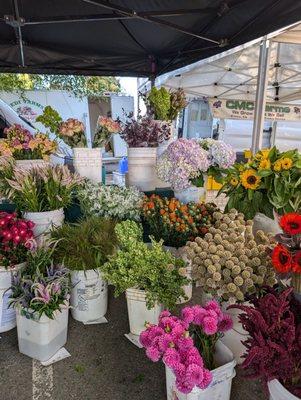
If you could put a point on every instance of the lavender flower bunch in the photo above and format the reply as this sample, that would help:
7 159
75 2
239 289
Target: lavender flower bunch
182 162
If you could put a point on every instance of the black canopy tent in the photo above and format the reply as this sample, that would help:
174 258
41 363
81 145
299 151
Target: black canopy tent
129 37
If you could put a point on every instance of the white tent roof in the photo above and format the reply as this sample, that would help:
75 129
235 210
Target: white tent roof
233 74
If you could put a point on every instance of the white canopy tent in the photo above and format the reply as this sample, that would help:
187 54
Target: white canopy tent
267 69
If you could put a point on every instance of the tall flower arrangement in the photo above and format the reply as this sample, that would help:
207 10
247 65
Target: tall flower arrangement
187 344
105 128
22 145
269 180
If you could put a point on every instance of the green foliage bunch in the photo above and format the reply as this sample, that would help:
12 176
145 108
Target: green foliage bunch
136 265
159 102
85 245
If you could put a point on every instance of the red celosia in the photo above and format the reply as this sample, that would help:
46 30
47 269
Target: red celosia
291 223
281 259
296 266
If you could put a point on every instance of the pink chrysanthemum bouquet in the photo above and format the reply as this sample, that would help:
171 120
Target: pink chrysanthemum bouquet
187 344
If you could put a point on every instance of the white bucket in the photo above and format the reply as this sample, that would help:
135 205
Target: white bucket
192 193
138 312
219 388
141 167
89 295
278 391
45 221
7 314
234 337
25 165
88 163
42 338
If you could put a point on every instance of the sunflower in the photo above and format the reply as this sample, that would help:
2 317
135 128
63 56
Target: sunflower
277 166
291 223
234 181
262 154
249 179
286 163
281 259
297 262
265 163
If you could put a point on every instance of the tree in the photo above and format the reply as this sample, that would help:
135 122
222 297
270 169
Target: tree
77 85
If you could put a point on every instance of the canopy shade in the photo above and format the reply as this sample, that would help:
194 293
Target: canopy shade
233 74
129 37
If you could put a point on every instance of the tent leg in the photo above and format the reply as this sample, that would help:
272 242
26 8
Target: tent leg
260 99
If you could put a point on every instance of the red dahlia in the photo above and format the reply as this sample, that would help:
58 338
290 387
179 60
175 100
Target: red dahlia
281 259
291 223
297 262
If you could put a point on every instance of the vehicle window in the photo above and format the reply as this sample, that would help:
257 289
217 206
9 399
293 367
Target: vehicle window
3 125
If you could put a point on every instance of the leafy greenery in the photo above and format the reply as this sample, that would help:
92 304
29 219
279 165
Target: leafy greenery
79 86
51 119
85 245
136 265
159 102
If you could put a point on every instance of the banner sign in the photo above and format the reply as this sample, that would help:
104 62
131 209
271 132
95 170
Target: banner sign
244 109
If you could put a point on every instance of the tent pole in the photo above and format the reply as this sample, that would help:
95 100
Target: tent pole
260 99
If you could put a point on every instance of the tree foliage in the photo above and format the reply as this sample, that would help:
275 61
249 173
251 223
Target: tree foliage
79 86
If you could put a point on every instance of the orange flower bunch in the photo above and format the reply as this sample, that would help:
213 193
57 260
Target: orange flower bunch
175 222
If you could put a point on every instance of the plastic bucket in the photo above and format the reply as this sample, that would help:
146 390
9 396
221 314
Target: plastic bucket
7 314
192 193
89 295
219 388
278 391
234 337
45 221
41 338
28 164
138 312
88 163
141 167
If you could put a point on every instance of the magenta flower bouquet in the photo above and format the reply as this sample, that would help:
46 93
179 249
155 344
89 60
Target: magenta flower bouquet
187 344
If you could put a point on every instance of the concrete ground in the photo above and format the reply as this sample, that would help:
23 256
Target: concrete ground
103 365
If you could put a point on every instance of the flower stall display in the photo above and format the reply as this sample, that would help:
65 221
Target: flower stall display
41 194
180 164
110 201
150 276
143 137
15 240
175 222
27 149
286 255
105 128
273 346
229 263
84 247
40 295
269 180
197 365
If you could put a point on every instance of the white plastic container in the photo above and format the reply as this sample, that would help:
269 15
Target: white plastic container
42 338
45 221
219 388
234 337
7 314
89 295
88 163
278 391
28 164
138 312
192 193
141 167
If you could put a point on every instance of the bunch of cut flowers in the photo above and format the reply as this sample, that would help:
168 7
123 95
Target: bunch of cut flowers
105 128
174 222
22 145
187 344
15 239
110 201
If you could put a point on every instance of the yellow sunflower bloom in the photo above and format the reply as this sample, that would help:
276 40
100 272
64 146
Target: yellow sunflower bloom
265 164
286 163
262 154
277 166
234 181
249 179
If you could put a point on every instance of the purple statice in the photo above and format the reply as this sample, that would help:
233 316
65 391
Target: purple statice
181 162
